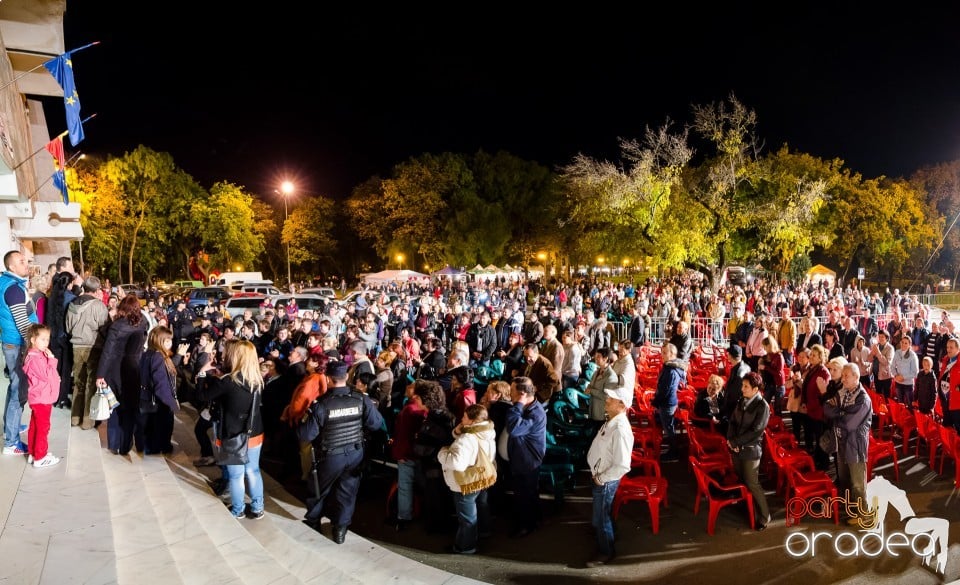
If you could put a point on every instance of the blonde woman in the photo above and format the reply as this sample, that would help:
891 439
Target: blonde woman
238 394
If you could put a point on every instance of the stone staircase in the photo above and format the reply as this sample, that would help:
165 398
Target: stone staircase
98 518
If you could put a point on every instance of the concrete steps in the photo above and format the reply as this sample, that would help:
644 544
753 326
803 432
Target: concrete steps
56 521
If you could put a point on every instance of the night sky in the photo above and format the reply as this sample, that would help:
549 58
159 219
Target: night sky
329 98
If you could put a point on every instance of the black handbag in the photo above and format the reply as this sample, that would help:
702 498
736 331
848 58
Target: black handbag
148 397
233 450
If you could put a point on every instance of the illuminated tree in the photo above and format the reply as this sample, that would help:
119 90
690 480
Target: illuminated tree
308 231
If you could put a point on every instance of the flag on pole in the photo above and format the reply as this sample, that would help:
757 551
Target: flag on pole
55 147
61 67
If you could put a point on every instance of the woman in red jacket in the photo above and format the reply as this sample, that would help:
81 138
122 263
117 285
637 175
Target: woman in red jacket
814 386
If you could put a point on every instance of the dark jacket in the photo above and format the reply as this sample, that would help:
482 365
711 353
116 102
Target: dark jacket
527 442
156 379
746 428
852 424
483 337
235 400
926 391
120 361
732 391
671 378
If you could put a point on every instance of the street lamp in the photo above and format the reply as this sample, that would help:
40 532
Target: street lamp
287 189
400 260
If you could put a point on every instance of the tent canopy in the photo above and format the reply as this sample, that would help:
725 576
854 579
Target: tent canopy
821 272
448 271
387 276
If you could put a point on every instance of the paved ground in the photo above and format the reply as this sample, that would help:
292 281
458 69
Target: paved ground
681 551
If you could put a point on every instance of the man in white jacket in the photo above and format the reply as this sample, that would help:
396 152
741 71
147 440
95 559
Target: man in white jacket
609 460
473 434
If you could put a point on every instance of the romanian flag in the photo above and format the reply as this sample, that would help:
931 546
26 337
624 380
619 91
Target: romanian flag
55 148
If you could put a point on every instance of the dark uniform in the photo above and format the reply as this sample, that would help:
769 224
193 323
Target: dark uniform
335 424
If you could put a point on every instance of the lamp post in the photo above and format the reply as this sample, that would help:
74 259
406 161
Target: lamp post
287 188
400 260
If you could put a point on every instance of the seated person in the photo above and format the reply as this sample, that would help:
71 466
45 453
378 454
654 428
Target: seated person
707 406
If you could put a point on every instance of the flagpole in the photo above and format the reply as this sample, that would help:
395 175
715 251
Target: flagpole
25 73
48 179
44 147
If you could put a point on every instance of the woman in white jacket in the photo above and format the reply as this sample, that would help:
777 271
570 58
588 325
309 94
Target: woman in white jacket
474 433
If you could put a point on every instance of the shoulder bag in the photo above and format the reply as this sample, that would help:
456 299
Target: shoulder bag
233 450
479 476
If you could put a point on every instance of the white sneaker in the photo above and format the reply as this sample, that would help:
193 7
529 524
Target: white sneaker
49 460
29 459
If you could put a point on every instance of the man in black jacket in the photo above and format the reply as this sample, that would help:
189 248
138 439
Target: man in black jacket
733 391
336 424
482 340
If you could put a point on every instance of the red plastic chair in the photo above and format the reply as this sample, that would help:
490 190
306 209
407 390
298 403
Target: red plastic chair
804 486
928 432
902 419
784 459
878 450
950 443
647 486
719 493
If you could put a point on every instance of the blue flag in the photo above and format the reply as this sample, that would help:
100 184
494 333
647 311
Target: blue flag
55 147
62 70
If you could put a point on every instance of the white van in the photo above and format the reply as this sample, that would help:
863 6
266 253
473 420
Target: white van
228 278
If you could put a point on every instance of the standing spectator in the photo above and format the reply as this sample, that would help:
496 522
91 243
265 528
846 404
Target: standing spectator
672 377
852 412
435 432
745 436
682 341
119 369
482 340
787 336
950 383
181 322
238 394
882 354
474 433
814 385
861 356
407 426
61 293
336 424
540 371
43 382
604 378
771 370
86 324
526 446
572 359
904 368
731 391
609 460
626 370
926 387
158 373
16 315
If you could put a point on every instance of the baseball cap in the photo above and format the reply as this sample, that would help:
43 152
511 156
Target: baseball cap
621 394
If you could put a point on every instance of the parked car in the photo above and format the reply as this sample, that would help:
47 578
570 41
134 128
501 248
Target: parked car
259 289
305 302
237 304
323 291
351 297
188 284
197 298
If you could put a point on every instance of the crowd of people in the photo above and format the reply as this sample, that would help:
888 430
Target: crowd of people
437 377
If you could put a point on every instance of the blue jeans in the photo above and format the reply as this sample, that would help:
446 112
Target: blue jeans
666 420
13 410
472 512
406 473
235 475
602 518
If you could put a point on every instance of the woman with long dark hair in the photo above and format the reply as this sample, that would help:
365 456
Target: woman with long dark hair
58 298
158 398
119 368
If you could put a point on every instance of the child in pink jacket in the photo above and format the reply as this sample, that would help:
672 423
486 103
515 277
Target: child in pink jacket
43 389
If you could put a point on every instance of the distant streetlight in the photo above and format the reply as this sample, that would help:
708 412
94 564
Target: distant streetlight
400 260
287 189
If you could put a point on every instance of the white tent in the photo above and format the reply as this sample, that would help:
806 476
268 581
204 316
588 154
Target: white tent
388 276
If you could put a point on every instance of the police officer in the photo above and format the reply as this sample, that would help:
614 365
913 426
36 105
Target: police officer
335 424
